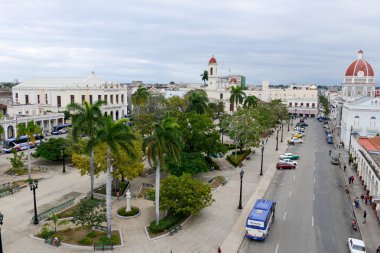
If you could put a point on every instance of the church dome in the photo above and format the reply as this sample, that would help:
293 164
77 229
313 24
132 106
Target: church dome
360 67
212 60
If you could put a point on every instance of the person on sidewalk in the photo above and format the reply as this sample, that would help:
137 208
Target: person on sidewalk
378 250
364 216
362 197
344 168
349 180
352 179
366 199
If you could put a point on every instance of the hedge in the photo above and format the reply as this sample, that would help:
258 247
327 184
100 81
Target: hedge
122 212
165 224
239 158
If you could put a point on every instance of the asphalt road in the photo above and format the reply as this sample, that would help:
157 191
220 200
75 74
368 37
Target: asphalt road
313 212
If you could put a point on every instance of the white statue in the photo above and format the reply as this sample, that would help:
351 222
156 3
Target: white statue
128 196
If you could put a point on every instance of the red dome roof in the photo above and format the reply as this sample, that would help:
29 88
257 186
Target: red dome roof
360 65
212 60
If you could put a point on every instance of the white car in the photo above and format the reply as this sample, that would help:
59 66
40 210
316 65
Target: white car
296 140
356 245
288 161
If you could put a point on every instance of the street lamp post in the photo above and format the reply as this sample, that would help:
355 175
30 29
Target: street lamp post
63 158
33 186
278 130
262 157
241 186
1 223
288 124
282 131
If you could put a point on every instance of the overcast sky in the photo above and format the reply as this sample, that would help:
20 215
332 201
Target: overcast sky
299 41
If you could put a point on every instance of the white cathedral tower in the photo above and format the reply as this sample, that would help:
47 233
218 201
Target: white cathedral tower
212 74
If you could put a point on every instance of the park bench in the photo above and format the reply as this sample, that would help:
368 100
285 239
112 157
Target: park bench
175 229
53 242
103 247
146 185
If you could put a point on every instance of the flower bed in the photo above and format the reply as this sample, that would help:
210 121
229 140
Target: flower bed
239 157
85 236
134 212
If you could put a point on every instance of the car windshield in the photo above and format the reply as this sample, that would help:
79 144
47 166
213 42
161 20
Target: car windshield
358 247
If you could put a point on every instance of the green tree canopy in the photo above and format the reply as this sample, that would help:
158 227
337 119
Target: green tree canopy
197 101
200 134
184 195
237 95
191 163
51 150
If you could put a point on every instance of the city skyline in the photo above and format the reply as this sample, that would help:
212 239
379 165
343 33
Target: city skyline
163 41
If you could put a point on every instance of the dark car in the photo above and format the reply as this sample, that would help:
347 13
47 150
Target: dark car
335 160
282 165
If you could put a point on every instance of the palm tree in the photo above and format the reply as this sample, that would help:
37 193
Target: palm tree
250 102
30 129
166 141
140 98
86 119
115 135
198 101
204 76
1 127
237 95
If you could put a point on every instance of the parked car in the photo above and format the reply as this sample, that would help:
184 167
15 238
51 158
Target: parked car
288 161
296 140
356 245
335 160
330 141
290 156
281 166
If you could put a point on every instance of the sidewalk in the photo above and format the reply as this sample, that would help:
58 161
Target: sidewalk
370 231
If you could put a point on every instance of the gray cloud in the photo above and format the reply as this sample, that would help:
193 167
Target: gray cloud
165 40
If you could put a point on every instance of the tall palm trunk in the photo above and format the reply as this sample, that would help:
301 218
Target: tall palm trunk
29 163
108 193
158 191
92 173
236 103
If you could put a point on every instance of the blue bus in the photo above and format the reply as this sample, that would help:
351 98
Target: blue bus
59 129
21 143
260 219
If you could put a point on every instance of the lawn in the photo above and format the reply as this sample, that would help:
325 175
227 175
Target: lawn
86 237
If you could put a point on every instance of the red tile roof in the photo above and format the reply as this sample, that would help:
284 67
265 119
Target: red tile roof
370 144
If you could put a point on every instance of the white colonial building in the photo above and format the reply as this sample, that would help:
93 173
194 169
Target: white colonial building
44 99
358 110
366 154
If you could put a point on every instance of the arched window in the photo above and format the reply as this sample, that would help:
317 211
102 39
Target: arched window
211 71
221 95
356 120
372 122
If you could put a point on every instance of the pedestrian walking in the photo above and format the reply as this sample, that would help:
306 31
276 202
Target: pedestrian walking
344 168
366 199
219 249
364 216
339 155
349 180
352 179
362 197
378 250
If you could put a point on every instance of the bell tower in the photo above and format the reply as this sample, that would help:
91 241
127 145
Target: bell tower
212 74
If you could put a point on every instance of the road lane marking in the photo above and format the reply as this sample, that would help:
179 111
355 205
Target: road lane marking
290 194
314 168
294 177
276 248
314 180
313 197
312 221
284 215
